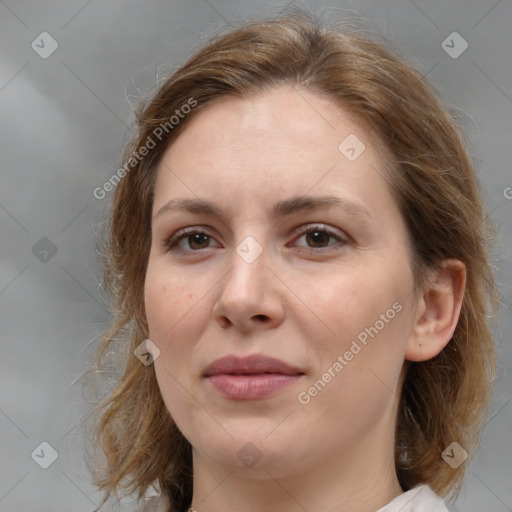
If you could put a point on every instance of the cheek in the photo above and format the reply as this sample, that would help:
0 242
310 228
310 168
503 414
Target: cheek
344 303
174 312
167 301
178 307
362 315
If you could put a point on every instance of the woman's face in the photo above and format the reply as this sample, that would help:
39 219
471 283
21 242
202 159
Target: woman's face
326 289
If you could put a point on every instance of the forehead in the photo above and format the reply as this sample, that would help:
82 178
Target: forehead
282 113
282 141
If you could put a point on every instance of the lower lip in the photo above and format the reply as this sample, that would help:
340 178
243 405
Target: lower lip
251 387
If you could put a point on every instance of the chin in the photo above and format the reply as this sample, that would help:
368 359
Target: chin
254 449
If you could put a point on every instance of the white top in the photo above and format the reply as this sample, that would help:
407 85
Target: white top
420 499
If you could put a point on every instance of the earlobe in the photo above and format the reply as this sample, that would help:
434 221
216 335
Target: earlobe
437 311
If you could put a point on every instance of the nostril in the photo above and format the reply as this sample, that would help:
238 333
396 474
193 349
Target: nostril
224 322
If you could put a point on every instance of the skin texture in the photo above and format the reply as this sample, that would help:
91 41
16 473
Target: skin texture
303 300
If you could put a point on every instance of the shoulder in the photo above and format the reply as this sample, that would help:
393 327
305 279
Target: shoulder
420 499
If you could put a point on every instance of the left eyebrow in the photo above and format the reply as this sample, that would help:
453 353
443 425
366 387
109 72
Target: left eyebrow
280 209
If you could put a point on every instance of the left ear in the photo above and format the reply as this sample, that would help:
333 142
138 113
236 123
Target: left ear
437 311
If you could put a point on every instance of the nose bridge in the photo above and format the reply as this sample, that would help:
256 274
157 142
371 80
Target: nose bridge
251 251
247 277
247 293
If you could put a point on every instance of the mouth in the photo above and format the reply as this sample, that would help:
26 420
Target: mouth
249 378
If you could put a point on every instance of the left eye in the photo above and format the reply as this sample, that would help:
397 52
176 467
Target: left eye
319 237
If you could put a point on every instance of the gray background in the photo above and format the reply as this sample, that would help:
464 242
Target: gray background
64 119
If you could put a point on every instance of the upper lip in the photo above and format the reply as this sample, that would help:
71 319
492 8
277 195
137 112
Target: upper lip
253 364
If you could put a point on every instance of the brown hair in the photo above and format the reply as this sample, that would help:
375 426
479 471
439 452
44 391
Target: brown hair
433 180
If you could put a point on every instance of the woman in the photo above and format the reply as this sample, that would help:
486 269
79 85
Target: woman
297 255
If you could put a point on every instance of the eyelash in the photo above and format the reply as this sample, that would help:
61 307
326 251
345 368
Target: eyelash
172 243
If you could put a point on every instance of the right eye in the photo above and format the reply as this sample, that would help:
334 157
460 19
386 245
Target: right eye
193 237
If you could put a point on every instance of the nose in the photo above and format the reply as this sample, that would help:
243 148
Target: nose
250 296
